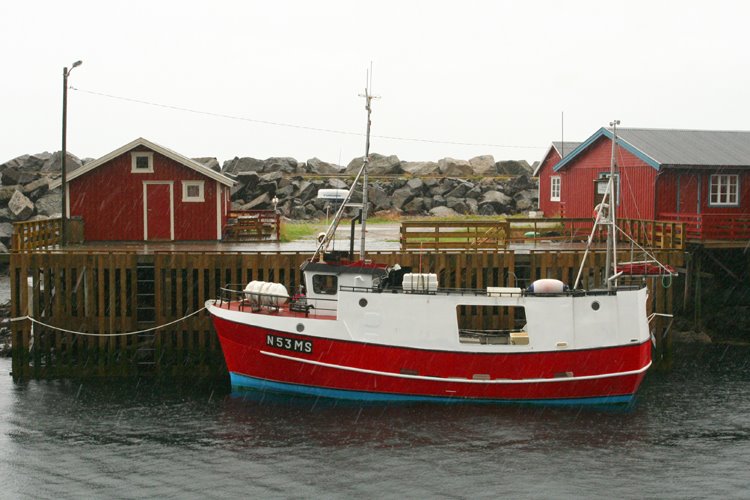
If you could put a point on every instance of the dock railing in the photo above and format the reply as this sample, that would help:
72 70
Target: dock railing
487 234
30 235
712 227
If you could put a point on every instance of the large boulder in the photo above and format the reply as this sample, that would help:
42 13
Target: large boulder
26 162
21 208
337 184
401 197
54 162
525 200
451 167
483 165
209 162
6 192
379 165
421 168
416 185
378 198
12 176
285 165
442 211
495 202
460 191
36 189
457 204
6 232
237 166
306 191
522 183
414 207
513 167
260 202
317 166
50 204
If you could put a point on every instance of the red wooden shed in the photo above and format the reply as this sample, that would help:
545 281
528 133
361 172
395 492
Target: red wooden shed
146 192
700 177
549 183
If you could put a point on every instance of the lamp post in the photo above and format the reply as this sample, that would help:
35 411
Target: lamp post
63 222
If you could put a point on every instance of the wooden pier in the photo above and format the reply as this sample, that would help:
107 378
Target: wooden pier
109 293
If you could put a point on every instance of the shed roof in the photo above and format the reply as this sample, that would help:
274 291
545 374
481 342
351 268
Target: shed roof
183 160
677 148
563 148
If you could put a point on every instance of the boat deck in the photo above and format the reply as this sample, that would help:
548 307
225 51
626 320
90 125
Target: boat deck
282 310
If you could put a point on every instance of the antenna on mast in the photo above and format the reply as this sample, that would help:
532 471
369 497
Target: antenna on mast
368 106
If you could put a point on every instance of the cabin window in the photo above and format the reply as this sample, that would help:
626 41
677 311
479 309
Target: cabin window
492 325
554 192
325 284
142 162
724 190
192 191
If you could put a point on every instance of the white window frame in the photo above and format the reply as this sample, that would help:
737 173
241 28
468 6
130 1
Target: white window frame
552 183
730 197
134 162
193 199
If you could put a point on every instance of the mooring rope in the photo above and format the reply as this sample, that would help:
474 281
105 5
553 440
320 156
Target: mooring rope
87 334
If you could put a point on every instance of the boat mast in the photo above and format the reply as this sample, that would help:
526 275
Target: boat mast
611 263
368 107
362 173
605 217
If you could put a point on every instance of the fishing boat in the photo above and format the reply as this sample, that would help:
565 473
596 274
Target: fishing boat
365 331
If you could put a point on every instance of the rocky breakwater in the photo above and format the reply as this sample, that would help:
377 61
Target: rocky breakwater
448 187
24 190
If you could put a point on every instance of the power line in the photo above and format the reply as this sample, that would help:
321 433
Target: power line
292 125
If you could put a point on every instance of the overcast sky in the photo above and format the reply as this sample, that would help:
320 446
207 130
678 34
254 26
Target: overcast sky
497 74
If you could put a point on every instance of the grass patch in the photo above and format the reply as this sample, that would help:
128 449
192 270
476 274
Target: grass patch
293 231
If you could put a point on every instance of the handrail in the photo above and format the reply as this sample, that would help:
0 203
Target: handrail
30 235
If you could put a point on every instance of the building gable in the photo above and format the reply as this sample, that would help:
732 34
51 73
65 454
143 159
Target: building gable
139 144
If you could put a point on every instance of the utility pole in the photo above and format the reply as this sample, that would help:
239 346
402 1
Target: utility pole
63 168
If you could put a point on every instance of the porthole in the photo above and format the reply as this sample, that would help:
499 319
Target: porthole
362 302
595 305
300 327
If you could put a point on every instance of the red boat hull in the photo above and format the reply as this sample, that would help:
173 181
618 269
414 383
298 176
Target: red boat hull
256 358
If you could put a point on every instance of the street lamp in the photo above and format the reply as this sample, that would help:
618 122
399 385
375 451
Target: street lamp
63 222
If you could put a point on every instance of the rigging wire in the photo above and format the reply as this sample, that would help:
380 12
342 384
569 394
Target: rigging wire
296 126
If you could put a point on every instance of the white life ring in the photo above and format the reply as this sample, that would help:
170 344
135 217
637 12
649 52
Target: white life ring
604 207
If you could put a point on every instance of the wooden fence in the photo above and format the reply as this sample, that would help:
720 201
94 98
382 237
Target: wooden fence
114 293
36 234
497 234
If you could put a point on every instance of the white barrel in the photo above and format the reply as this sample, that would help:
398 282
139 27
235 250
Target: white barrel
422 282
547 285
266 293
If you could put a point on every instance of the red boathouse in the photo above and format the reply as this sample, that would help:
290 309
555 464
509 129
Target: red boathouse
146 192
698 177
549 191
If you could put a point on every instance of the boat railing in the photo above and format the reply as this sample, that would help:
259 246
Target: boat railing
488 292
234 292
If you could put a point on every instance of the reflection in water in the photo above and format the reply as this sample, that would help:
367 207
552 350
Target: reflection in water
688 432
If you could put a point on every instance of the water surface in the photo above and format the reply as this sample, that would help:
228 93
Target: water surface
687 436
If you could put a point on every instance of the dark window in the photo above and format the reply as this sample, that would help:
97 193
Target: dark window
141 162
325 284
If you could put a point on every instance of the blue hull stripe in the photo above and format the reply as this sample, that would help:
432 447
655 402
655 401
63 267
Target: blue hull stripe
250 383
